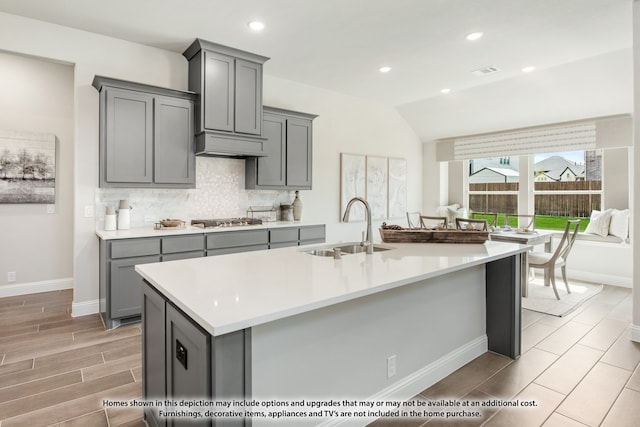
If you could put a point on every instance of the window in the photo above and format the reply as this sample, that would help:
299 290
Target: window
566 185
494 185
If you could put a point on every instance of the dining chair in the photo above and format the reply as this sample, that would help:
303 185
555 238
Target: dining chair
413 219
471 224
433 221
490 217
527 222
549 261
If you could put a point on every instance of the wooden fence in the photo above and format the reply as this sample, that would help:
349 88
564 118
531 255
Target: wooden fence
566 205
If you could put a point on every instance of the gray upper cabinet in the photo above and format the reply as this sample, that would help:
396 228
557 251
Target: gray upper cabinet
289 162
146 135
174 155
128 145
229 111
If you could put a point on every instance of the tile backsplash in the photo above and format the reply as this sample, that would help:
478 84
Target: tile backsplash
219 193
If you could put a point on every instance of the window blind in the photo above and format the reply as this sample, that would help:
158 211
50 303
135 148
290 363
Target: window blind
569 137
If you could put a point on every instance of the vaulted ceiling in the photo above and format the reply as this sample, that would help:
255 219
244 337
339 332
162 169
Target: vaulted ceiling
341 44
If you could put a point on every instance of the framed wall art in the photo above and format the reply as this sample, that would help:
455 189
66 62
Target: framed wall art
397 188
27 167
377 186
352 184
382 181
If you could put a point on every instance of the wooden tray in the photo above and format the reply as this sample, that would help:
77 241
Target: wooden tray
412 235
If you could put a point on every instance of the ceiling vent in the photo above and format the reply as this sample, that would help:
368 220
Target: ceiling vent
486 70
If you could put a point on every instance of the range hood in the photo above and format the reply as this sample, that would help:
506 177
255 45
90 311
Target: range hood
219 144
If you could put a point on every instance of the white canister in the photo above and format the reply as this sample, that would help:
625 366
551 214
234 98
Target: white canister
110 219
124 215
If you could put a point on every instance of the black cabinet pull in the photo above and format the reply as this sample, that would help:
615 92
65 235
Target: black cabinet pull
181 354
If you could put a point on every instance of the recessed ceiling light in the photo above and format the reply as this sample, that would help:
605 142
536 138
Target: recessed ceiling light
256 25
384 69
528 69
474 36
445 90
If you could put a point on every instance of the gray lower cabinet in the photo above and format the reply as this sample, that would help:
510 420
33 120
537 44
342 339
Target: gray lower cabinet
283 237
180 360
312 234
188 374
288 163
153 352
146 135
120 297
125 286
230 242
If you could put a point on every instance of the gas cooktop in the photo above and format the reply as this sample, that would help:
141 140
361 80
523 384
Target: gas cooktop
225 222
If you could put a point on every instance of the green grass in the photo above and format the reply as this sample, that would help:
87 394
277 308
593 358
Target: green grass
557 223
549 222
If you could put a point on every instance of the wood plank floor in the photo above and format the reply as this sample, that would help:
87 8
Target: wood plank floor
55 370
582 370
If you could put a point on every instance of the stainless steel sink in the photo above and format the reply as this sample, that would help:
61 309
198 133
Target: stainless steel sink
356 248
345 249
320 252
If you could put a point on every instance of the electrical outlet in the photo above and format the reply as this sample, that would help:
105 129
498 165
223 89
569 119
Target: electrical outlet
391 366
149 218
51 209
88 211
11 276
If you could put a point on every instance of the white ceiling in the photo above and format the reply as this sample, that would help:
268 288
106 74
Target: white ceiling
340 44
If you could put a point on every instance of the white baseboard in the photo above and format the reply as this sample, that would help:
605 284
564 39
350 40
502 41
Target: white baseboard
85 308
635 333
607 279
35 287
420 380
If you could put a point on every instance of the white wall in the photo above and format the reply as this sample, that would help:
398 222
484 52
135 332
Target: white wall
635 181
37 96
345 125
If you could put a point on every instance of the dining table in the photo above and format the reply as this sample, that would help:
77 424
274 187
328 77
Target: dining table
524 237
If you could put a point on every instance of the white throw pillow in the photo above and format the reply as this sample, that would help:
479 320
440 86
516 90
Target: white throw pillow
619 225
450 212
462 213
599 223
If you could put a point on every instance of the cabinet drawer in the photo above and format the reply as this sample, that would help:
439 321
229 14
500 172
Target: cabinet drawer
183 255
237 249
282 245
280 235
312 233
171 245
135 247
237 238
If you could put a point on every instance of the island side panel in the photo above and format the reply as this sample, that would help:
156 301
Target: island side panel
341 351
504 305
180 361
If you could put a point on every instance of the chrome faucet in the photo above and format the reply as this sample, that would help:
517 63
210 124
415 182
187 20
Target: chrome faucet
345 218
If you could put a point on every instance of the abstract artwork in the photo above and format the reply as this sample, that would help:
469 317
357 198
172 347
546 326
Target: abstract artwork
27 167
382 181
377 186
397 188
352 184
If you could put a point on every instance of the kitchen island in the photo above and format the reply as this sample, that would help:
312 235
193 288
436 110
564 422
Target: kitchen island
284 324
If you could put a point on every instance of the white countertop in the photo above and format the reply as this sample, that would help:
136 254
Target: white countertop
237 291
151 232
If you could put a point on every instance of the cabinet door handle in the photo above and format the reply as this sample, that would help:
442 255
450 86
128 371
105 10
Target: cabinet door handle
181 354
